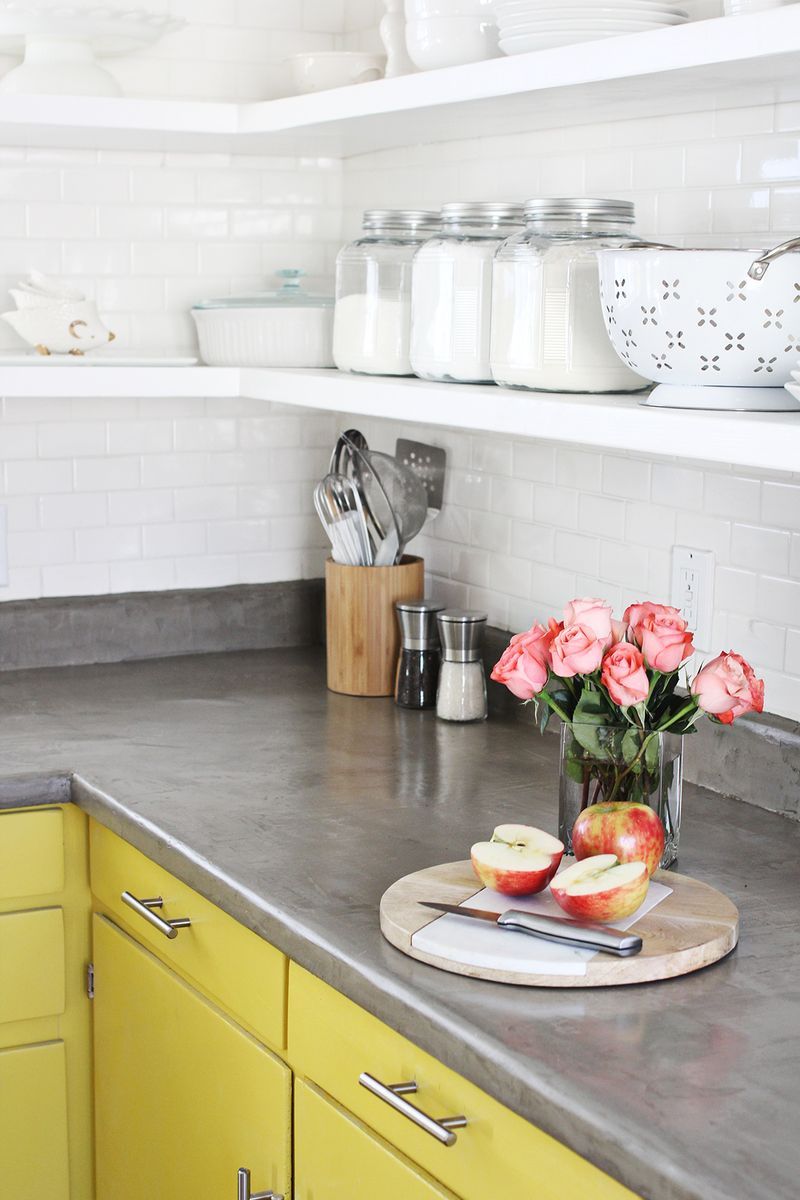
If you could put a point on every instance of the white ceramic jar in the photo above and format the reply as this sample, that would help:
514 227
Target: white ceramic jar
372 319
451 292
548 332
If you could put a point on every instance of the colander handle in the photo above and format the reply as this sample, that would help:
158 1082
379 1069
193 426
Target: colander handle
760 266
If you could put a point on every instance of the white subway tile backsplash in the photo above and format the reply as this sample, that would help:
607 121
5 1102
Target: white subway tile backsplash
75 579
760 549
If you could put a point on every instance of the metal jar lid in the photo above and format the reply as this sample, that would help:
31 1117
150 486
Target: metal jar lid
583 208
461 631
491 212
417 621
401 218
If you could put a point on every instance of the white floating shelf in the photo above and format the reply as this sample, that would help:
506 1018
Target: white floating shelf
90 382
619 422
726 62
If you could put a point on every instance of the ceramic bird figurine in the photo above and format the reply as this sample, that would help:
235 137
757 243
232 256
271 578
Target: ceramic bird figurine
55 319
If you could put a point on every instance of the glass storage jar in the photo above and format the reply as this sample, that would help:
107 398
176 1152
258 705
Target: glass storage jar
451 292
548 332
461 695
372 318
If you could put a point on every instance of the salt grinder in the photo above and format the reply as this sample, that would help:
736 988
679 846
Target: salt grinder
462 680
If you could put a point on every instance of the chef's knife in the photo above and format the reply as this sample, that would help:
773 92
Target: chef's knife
552 929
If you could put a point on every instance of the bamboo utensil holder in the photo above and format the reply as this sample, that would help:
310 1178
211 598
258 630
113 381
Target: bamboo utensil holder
362 632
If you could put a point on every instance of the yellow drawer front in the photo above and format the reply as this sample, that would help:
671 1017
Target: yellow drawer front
231 964
332 1040
31 853
31 964
34 1160
336 1158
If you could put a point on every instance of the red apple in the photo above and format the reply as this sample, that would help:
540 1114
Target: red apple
601 888
519 860
633 832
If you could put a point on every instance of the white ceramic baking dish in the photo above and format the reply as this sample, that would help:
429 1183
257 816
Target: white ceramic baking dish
285 328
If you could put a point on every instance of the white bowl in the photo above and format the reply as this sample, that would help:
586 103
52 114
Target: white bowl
420 9
319 70
696 318
450 41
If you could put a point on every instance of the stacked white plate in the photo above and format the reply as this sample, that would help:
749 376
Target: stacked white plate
541 24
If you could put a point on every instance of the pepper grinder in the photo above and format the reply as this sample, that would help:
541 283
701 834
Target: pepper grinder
420 653
462 680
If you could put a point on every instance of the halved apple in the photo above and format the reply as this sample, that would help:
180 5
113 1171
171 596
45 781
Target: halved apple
601 888
520 860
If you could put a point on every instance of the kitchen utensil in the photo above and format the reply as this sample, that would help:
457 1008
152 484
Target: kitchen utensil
60 41
435 42
429 464
553 929
339 509
289 327
56 319
345 443
404 491
319 70
698 319
380 516
363 639
348 500
684 925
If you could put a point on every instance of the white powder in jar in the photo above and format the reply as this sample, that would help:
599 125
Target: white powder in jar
548 332
451 305
371 334
462 692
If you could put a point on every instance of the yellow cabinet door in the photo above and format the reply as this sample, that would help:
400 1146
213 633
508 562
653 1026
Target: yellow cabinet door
34 1158
337 1158
183 1096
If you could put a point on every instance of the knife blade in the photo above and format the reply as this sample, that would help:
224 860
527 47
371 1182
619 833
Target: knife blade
552 929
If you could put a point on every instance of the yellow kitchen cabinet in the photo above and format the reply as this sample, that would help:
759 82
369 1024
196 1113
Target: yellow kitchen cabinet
333 1042
34 1151
45 1022
184 1097
337 1158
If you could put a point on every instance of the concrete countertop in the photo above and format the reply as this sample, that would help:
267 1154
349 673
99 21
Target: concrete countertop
294 809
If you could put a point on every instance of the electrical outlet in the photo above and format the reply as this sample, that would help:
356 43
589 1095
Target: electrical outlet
693 591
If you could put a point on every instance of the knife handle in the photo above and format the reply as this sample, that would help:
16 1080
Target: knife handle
572 933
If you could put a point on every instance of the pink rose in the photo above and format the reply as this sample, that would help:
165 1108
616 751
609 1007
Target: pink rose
661 633
727 687
593 614
619 631
576 650
524 665
666 642
623 675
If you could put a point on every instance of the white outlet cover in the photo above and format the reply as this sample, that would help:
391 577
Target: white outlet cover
693 591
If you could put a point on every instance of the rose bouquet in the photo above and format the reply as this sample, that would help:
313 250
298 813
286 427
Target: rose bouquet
614 685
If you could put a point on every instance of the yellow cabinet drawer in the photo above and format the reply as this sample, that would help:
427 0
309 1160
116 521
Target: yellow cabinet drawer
229 963
332 1041
31 964
31 853
34 1154
337 1158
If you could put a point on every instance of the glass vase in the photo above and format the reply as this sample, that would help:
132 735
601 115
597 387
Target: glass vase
621 763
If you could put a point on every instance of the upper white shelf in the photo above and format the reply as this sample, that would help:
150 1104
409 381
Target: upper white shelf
619 422
719 63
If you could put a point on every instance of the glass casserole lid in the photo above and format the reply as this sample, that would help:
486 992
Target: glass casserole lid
291 294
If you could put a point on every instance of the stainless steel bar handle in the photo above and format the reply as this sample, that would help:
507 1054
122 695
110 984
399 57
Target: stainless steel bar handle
392 1094
759 268
243 1188
145 909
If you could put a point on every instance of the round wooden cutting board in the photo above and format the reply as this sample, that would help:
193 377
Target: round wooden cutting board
693 927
